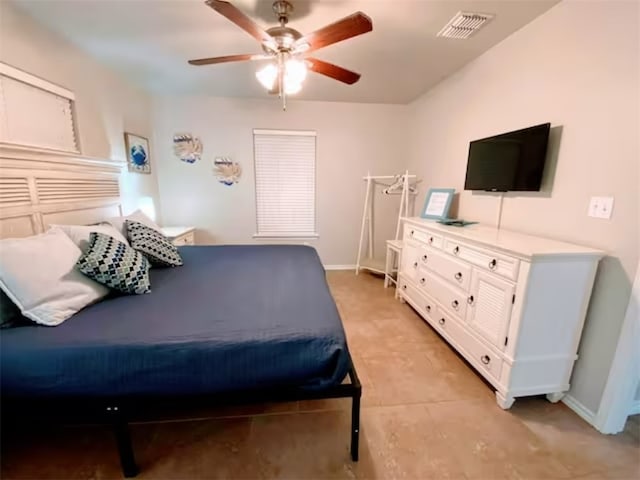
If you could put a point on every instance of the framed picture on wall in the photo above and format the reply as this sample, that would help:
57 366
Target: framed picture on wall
138 155
437 203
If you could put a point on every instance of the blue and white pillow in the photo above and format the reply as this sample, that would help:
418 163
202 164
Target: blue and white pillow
115 265
154 245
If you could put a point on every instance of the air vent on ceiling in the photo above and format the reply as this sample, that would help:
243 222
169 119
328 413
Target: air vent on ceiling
464 24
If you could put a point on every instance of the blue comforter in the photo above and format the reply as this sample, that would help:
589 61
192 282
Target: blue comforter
232 318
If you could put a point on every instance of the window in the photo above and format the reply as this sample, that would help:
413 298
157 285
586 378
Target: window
34 112
285 166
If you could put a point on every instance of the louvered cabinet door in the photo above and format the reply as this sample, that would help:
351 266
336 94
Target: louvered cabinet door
489 306
409 262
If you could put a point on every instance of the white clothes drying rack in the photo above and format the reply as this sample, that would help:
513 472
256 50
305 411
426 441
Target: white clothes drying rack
401 184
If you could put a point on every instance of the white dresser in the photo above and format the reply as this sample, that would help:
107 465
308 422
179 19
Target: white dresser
512 304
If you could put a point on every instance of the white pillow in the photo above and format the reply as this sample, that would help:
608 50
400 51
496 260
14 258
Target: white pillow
80 234
38 274
137 216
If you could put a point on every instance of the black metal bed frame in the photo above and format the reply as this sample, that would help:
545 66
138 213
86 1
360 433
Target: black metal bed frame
119 412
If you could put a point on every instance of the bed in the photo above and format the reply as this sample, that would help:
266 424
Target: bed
232 318
235 324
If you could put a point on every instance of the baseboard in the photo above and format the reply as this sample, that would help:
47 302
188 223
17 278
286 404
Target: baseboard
635 408
582 411
339 267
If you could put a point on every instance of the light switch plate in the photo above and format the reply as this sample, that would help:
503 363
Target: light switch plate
601 207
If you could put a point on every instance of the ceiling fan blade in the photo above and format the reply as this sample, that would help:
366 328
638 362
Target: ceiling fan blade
240 19
229 58
349 27
333 71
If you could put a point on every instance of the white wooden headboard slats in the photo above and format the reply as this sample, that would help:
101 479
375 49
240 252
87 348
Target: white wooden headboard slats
14 190
40 187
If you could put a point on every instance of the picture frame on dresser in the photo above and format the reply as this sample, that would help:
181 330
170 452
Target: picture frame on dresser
437 203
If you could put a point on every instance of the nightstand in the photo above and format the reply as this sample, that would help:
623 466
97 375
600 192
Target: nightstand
180 235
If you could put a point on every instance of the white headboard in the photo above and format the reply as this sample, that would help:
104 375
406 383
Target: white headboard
40 187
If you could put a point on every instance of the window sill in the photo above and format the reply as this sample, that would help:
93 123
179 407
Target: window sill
288 236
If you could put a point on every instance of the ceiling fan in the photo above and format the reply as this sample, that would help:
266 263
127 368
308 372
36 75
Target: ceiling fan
287 48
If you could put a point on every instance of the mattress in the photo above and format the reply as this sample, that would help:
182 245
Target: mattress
233 318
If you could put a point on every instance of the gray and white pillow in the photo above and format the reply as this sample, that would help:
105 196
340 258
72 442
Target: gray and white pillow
116 265
154 245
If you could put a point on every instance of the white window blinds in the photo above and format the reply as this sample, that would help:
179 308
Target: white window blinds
34 112
285 166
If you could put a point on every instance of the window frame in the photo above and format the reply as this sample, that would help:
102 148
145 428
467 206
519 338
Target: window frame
288 235
34 81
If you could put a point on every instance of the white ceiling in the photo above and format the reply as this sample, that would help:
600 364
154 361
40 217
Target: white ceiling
150 41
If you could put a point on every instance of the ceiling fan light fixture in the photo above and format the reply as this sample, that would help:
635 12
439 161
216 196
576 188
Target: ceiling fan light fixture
267 76
295 71
292 88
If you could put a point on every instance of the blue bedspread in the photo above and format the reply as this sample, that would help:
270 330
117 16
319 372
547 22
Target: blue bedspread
232 318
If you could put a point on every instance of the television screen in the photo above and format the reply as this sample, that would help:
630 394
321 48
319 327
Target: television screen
512 161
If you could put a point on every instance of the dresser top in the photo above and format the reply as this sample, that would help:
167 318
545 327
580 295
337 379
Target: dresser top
519 244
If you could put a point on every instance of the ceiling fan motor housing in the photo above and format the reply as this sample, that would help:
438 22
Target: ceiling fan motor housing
284 37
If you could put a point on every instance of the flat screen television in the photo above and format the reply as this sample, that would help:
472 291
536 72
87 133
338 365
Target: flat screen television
512 161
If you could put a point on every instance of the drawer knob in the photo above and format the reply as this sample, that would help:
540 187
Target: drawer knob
470 300
442 321
415 264
428 308
423 280
430 239
404 287
458 276
492 264
485 359
455 305
456 250
412 232
424 258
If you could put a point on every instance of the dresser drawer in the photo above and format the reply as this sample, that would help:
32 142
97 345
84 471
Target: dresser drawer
456 272
449 297
418 300
423 236
500 264
480 355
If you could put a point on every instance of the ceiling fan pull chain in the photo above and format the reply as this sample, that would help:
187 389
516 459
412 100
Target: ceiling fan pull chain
281 74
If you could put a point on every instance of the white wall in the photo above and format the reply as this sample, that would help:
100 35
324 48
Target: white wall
352 138
106 105
575 66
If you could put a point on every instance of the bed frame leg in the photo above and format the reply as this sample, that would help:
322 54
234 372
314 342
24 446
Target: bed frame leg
355 425
123 440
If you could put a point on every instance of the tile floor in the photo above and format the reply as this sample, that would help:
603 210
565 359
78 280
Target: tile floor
425 415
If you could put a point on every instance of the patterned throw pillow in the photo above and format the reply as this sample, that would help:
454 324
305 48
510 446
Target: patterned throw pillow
154 245
114 264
